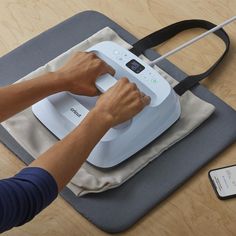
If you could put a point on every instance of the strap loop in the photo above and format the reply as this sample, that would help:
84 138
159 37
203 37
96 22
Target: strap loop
170 31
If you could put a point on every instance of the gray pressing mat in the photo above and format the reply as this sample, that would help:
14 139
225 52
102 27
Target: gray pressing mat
118 209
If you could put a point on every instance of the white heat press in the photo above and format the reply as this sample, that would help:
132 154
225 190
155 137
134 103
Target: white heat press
62 112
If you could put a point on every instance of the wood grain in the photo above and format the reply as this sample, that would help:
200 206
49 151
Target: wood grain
194 208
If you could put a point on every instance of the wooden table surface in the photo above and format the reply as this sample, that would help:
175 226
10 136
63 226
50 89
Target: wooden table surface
193 209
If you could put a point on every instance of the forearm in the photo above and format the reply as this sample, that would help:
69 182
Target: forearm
64 159
17 97
56 167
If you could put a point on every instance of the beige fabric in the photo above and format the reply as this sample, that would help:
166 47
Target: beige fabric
36 139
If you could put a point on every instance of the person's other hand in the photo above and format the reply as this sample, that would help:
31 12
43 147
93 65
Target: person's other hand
121 102
80 72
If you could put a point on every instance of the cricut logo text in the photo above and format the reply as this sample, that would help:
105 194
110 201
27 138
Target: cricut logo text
75 112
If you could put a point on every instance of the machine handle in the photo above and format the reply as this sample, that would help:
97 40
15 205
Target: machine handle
104 82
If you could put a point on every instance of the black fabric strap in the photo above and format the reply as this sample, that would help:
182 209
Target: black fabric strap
170 31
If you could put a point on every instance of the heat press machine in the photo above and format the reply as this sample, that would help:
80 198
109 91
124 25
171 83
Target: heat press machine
62 112
65 111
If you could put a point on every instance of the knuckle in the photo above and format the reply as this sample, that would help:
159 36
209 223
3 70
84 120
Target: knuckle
98 63
111 70
132 86
92 55
101 63
124 80
145 100
139 103
136 94
148 100
142 94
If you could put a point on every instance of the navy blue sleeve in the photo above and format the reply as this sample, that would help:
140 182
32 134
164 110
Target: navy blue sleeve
25 195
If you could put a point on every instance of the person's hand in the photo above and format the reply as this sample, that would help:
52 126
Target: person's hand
80 72
121 102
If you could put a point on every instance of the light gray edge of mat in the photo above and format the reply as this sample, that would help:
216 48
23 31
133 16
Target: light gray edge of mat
102 209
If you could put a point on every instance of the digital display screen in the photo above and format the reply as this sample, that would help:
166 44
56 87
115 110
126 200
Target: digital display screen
135 66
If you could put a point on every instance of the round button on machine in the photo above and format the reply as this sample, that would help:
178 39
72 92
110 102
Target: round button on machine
116 52
119 58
